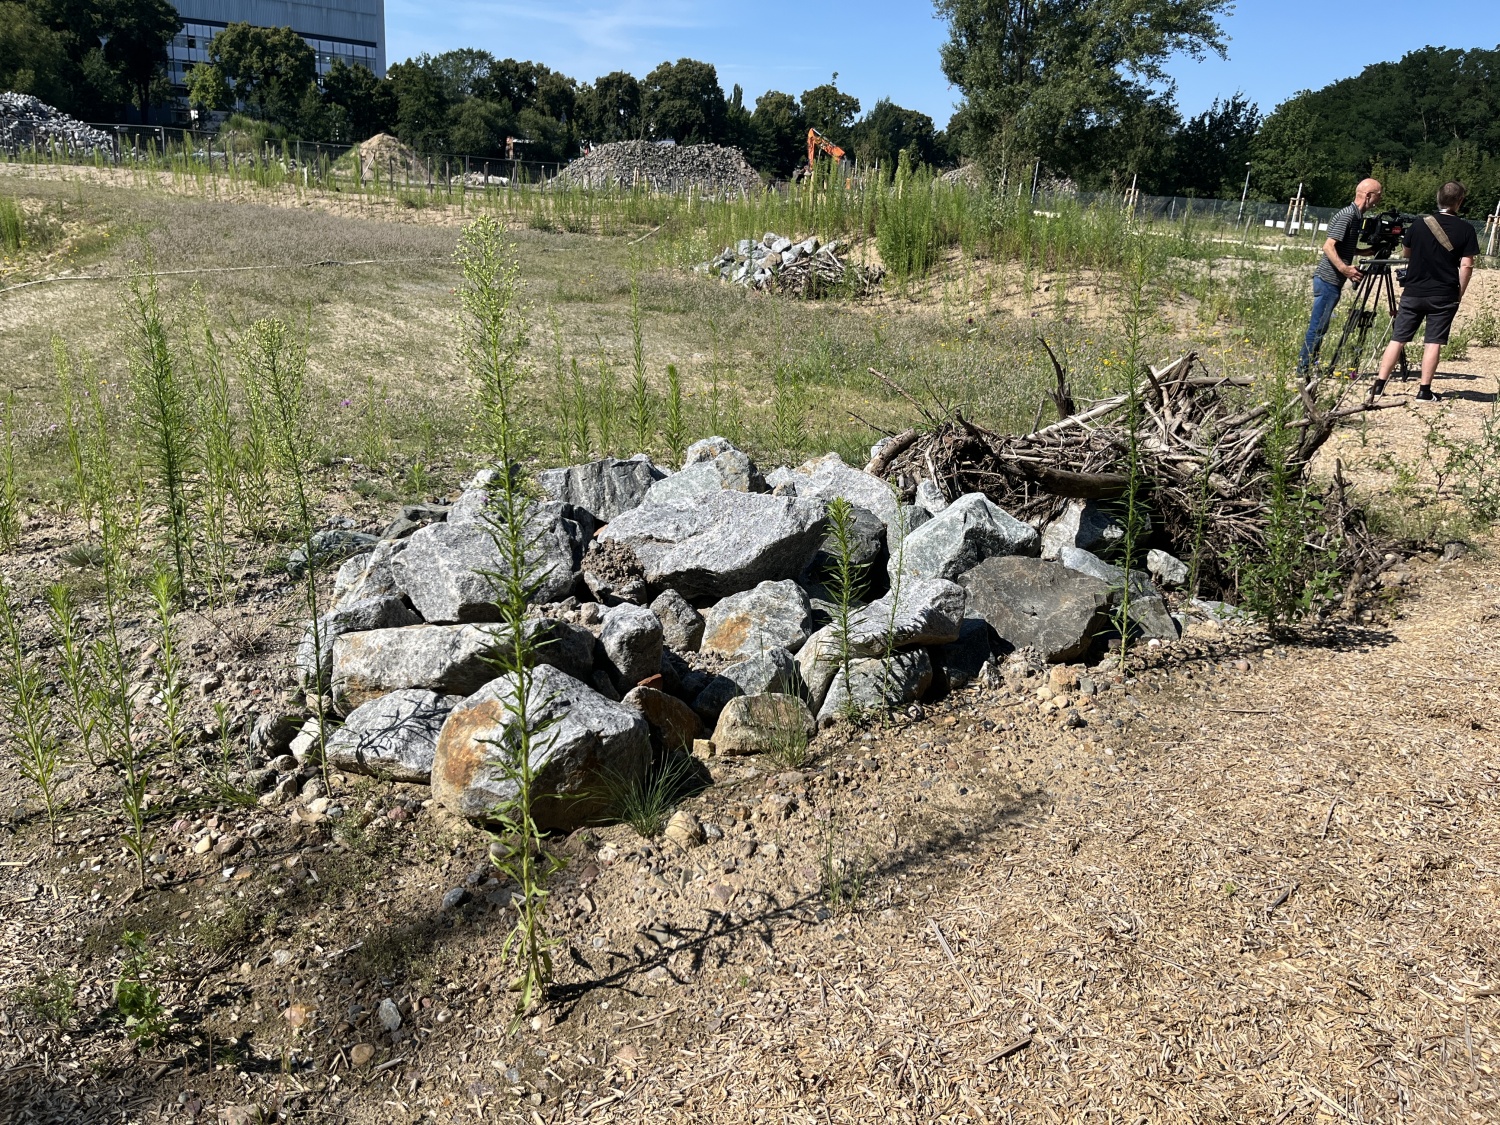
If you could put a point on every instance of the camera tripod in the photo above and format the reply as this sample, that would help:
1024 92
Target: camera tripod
1376 286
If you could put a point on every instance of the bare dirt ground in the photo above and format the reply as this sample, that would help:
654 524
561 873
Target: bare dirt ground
1253 882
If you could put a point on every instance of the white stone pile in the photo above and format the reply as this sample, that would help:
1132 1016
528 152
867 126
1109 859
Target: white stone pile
27 123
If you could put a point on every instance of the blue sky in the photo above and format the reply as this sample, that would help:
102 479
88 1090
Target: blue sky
889 48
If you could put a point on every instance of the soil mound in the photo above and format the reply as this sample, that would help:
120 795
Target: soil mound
391 159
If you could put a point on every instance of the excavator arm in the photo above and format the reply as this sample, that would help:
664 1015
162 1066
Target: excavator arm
816 143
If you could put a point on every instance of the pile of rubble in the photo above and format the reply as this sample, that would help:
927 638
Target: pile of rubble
392 161
686 613
29 123
807 268
702 169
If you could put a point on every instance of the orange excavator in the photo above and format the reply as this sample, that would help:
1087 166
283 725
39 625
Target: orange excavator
816 143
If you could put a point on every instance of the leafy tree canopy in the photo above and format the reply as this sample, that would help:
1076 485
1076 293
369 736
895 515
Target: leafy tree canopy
831 111
683 101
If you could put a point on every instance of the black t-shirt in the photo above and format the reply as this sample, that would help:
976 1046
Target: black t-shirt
1432 272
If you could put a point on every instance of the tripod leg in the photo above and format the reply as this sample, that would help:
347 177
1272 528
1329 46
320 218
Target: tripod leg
1392 305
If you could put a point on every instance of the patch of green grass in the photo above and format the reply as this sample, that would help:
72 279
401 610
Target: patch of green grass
51 999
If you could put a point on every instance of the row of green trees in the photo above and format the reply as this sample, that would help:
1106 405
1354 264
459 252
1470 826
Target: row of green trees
1082 86
88 57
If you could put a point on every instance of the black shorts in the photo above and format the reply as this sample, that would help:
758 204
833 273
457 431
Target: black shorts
1438 312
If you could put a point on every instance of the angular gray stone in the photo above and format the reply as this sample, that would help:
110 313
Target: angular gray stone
272 734
368 575
315 662
876 684
603 488
412 517
772 615
825 477
762 724
720 544
631 643
448 659
392 737
867 544
958 664
1170 572
681 624
583 747
1033 603
771 671
927 612
1147 609
930 497
447 569
1085 525
969 530
730 470
706 449
334 545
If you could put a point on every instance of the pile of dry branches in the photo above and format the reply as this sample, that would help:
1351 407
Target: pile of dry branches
819 274
1200 455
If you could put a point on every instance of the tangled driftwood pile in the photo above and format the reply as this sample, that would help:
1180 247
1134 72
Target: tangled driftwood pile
1202 458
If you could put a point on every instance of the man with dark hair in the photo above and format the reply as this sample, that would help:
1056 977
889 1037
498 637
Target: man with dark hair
1336 266
1441 250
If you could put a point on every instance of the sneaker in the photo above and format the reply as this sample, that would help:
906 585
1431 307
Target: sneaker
1377 388
1424 394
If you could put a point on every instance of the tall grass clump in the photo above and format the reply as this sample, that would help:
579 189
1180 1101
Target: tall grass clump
10 488
78 687
1138 283
675 431
274 360
492 319
73 426
28 709
846 583
906 231
216 458
641 416
162 415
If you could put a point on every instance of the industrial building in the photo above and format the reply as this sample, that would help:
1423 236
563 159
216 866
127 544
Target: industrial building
351 30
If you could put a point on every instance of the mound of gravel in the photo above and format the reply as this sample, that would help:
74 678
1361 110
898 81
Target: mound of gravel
707 169
392 160
27 122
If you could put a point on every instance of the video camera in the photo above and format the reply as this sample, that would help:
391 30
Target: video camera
1381 234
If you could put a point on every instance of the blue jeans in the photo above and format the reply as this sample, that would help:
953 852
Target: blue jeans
1325 297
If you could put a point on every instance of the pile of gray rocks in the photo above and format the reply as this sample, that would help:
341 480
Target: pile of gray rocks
756 264
29 123
713 170
686 611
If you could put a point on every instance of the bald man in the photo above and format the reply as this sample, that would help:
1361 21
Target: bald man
1336 267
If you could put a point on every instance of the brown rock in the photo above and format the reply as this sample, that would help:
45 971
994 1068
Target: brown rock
674 725
361 1054
684 830
759 724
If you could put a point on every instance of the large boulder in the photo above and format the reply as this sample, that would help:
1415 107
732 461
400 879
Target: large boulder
674 725
773 615
825 477
919 612
717 545
603 488
763 724
1084 525
447 659
315 657
730 470
877 684
368 575
393 737
1169 571
1032 603
584 748
681 624
1147 610
774 670
631 641
867 552
451 570
964 534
